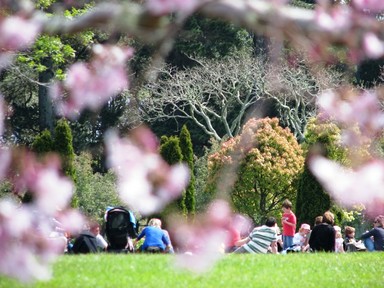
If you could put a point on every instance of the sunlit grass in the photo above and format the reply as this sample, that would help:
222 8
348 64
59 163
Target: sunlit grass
292 270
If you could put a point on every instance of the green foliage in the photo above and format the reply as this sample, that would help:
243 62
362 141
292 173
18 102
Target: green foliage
269 160
171 152
312 200
187 152
48 47
63 146
94 191
209 38
43 143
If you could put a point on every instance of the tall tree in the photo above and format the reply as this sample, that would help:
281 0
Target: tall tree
311 199
171 153
188 157
267 160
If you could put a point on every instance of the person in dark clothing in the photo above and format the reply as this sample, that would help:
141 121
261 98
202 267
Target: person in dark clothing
322 237
377 243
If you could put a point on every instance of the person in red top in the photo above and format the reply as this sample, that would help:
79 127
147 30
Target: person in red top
288 222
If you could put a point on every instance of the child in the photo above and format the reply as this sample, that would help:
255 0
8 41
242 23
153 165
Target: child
300 240
288 222
339 241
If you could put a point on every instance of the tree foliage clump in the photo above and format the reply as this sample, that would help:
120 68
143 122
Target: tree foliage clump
312 200
268 160
171 152
94 191
187 152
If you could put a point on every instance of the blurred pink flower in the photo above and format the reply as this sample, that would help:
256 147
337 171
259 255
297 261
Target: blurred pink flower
26 251
361 109
52 190
163 7
373 46
364 185
337 18
17 33
92 85
203 243
145 181
371 5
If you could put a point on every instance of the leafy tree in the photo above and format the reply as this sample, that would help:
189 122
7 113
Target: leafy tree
171 153
63 146
43 143
312 200
187 152
94 191
210 39
268 161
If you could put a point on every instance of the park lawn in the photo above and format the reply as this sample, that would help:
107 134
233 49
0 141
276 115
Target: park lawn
292 270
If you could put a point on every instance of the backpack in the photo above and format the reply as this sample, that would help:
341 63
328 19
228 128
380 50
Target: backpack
85 243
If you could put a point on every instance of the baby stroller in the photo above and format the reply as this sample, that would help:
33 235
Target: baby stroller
120 227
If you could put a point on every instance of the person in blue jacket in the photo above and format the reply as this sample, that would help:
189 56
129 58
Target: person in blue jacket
154 237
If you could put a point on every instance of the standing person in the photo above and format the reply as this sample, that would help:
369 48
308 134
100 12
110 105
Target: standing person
260 240
323 236
155 238
288 222
374 239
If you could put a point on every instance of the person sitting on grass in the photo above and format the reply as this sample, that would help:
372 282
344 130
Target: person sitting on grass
155 240
350 243
300 240
374 239
323 236
260 240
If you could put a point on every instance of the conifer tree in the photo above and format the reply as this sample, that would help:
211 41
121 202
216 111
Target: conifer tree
171 153
64 147
187 152
312 200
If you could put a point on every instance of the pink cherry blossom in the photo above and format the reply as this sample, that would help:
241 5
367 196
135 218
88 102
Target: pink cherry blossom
365 185
338 18
202 242
17 33
163 7
373 46
359 109
92 85
371 5
145 181
52 190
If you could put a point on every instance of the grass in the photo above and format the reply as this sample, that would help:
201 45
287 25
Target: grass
292 270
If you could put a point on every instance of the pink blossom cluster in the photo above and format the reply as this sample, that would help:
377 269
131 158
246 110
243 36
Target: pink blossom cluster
353 110
28 244
163 7
348 187
203 242
370 5
146 183
17 32
92 85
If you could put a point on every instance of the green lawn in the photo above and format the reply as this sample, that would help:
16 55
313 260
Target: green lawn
292 270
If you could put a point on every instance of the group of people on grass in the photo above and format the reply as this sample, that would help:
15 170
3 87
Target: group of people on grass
324 237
